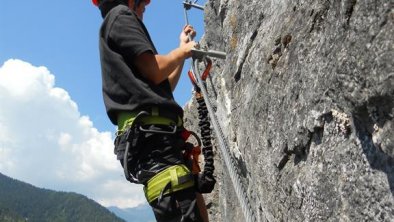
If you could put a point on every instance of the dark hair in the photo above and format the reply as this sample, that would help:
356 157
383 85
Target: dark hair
106 5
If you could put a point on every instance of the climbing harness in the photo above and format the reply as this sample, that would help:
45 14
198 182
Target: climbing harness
132 125
198 82
174 183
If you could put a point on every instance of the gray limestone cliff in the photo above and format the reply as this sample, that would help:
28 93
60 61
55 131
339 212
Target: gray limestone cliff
306 101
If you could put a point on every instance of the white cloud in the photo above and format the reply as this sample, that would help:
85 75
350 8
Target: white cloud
123 190
45 141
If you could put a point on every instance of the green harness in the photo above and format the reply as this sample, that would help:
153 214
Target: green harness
173 178
170 180
126 119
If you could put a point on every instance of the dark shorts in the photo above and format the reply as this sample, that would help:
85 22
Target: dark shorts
178 205
152 154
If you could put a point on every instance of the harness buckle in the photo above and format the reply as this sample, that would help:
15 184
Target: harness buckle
159 131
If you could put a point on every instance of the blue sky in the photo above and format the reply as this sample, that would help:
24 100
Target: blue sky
54 132
62 36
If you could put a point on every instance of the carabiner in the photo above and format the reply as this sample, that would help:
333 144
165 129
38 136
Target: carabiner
208 67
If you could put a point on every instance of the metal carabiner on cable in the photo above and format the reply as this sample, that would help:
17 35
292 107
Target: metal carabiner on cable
204 76
207 70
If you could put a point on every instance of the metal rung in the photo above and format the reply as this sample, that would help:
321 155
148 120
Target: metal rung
200 54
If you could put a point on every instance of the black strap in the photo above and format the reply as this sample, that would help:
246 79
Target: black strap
166 187
132 137
189 211
185 179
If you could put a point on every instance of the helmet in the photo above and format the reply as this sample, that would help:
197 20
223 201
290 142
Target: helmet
137 2
96 2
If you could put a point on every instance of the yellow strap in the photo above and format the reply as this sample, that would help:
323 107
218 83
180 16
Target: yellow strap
156 184
155 111
174 177
126 119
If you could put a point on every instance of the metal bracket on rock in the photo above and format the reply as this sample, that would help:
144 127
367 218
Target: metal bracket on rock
188 4
200 54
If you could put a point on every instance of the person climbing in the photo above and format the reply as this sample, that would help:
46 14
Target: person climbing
137 86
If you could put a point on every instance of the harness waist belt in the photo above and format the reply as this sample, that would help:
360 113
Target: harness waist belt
126 119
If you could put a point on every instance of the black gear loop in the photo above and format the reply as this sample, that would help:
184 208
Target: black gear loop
206 137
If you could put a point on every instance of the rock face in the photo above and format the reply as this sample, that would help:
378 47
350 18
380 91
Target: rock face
306 101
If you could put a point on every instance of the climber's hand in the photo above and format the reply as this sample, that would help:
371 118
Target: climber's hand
184 36
187 48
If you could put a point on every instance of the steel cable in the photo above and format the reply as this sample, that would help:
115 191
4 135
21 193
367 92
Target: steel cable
225 151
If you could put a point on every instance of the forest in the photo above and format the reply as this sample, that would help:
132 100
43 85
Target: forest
20 201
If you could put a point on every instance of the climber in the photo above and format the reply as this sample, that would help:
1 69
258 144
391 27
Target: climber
137 89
